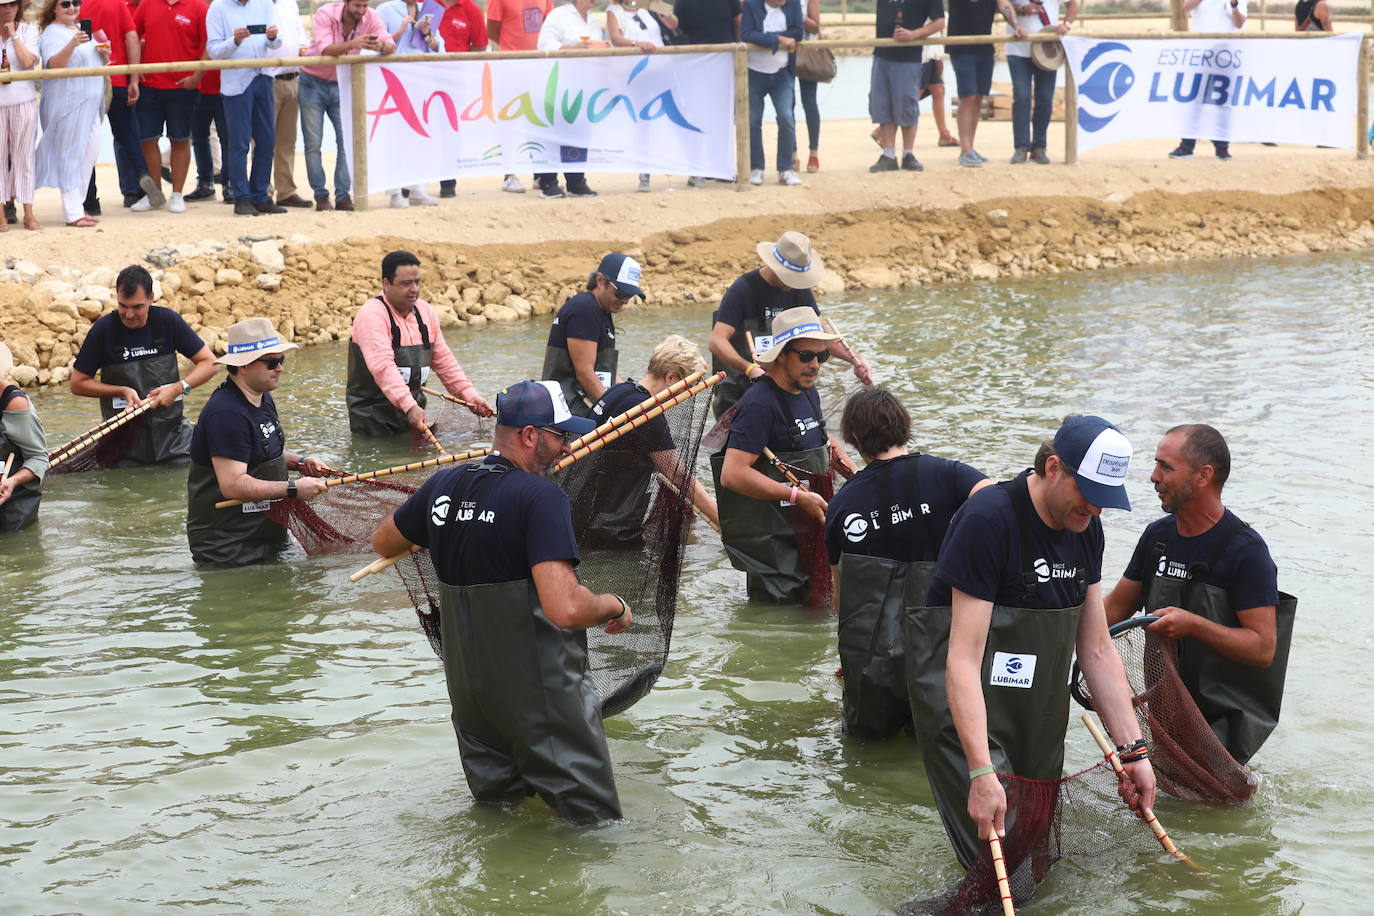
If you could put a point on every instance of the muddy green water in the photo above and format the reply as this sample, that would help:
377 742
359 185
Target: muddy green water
277 740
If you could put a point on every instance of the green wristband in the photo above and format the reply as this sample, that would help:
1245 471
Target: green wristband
981 771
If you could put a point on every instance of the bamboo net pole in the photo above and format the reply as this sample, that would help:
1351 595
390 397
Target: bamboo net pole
382 472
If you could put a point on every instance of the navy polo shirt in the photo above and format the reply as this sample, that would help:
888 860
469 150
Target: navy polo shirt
1245 571
230 427
582 319
108 341
751 296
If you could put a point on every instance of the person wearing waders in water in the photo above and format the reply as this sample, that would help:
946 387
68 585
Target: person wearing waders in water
882 535
513 614
23 453
1209 579
782 412
582 355
395 343
1017 590
134 349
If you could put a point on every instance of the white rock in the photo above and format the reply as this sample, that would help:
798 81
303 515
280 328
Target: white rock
56 287
228 276
268 254
299 238
28 271
100 276
171 282
269 281
98 292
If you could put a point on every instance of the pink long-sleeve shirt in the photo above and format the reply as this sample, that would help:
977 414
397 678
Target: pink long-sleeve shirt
372 334
326 28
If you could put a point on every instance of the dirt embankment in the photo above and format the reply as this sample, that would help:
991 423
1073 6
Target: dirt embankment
311 290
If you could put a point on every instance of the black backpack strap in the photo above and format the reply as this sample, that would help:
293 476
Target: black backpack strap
914 488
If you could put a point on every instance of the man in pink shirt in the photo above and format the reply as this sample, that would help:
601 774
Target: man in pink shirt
513 25
342 27
396 341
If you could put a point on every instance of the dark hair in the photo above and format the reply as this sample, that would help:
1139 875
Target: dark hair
591 281
46 17
133 278
232 370
874 421
1202 444
1042 456
395 259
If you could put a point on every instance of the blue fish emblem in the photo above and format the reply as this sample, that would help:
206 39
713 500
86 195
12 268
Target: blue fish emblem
1108 84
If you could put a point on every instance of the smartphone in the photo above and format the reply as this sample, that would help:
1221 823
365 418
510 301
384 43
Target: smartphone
428 17
85 26
257 30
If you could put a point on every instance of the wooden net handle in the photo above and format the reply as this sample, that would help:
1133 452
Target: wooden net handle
96 433
999 867
382 472
9 462
429 434
382 563
638 410
631 425
446 396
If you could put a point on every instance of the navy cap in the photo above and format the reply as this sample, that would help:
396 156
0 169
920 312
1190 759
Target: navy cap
623 272
539 404
1099 455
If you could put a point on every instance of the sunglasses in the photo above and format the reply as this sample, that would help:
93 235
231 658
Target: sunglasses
566 437
271 362
68 4
806 356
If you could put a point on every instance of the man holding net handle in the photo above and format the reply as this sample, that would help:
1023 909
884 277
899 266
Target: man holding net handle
513 614
1017 589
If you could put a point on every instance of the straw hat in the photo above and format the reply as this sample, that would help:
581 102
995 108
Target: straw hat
792 259
251 338
6 359
1047 55
800 323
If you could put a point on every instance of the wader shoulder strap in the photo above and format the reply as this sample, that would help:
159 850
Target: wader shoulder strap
1021 502
1198 569
475 486
396 329
926 520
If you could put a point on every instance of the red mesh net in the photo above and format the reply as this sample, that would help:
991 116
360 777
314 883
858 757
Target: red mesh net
1189 761
1080 816
811 538
97 449
342 518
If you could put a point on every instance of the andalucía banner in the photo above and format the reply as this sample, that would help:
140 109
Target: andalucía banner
663 114
1281 90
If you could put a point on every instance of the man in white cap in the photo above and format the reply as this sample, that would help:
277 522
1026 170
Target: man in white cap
582 355
1017 589
790 271
24 445
238 451
781 412
513 615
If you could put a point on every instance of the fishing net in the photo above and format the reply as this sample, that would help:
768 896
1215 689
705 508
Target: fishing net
1190 762
631 508
457 428
100 448
810 535
342 518
1080 817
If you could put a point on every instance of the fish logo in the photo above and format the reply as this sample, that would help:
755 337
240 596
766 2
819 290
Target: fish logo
1107 80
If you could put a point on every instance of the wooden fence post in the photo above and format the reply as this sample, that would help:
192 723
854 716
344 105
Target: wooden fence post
741 117
1362 102
1178 19
1070 117
357 80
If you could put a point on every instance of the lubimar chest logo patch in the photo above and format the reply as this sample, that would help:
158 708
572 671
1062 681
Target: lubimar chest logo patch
1044 571
1174 569
1012 669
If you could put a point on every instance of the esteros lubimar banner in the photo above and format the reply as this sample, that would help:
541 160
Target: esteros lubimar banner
1281 90
663 114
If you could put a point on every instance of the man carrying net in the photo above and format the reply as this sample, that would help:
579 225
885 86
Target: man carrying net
1017 589
513 614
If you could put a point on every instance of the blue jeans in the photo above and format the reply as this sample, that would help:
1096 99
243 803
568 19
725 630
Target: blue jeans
129 162
807 91
251 115
317 98
778 87
209 108
1032 102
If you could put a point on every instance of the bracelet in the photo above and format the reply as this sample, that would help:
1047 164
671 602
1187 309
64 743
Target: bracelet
624 607
1138 756
981 771
751 367
792 495
1138 744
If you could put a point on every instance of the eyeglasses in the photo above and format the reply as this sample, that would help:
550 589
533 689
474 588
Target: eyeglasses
271 362
806 356
566 437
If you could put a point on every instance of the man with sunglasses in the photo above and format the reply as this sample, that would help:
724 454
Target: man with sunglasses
238 451
513 614
780 412
581 355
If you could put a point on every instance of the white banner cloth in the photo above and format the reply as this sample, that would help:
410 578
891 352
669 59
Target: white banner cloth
1277 90
662 114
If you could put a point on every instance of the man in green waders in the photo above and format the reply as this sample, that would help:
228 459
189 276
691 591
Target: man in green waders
1209 579
582 355
1017 590
238 451
513 613
882 535
780 411
134 349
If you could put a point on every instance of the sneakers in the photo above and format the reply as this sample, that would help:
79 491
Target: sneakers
970 160
885 163
202 192
977 155
399 201
789 177
1181 152
910 163
1040 157
551 192
143 205
1019 157
153 190
511 185
1224 153
343 202
756 176
422 198
581 190
644 184
130 200
245 208
267 206
696 182
813 164
176 203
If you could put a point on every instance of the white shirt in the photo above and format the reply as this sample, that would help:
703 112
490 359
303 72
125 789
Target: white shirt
629 22
1215 16
15 93
1029 20
291 34
563 26
774 20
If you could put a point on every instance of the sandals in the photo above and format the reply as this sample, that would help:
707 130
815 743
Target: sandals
84 223
949 140
813 164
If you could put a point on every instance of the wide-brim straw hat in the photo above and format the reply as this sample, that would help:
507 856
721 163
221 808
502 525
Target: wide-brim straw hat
792 259
6 359
800 323
250 339
1047 55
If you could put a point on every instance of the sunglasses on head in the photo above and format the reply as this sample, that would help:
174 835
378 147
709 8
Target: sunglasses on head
272 362
806 356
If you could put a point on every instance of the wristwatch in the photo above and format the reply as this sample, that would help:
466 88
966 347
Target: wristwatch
290 489
185 387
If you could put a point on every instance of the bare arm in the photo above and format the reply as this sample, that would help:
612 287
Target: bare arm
236 483
1251 643
203 369
571 605
134 49
87 387
583 356
721 348
494 33
739 474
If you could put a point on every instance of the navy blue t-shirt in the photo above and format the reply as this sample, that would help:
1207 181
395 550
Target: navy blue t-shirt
230 427
653 436
762 420
915 14
108 341
485 526
1245 571
969 17
906 520
582 319
751 296
982 556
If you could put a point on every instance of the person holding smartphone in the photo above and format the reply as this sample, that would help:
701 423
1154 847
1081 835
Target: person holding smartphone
246 29
68 109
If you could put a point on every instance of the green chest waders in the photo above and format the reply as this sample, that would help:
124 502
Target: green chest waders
369 411
238 535
21 508
760 535
1240 702
558 367
165 435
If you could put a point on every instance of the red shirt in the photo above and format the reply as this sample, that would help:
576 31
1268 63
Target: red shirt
114 19
520 21
463 28
170 31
